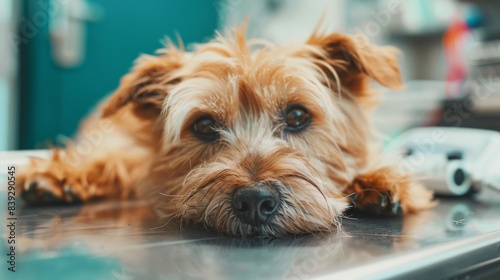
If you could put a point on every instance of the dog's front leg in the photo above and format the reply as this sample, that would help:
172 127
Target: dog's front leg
108 167
56 180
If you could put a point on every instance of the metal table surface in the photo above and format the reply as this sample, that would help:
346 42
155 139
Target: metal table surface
460 238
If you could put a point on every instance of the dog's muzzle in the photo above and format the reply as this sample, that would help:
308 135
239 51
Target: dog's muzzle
256 205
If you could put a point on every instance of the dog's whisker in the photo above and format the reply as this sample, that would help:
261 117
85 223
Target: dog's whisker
171 195
312 183
217 177
208 182
211 201
163 225
295 200
220 151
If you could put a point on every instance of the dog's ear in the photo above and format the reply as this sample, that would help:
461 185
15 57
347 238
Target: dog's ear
146 86
354 60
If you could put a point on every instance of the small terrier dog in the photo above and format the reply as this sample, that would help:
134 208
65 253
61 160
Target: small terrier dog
246 137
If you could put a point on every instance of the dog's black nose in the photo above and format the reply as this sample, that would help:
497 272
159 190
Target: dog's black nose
255 205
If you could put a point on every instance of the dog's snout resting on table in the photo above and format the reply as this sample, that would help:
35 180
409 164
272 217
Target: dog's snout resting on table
246 137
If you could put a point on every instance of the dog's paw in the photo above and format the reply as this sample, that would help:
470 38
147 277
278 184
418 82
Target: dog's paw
379 204
43 189
385 192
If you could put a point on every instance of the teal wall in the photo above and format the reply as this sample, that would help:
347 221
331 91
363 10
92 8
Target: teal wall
54 100
4 113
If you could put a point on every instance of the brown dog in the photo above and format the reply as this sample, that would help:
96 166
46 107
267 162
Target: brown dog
248 138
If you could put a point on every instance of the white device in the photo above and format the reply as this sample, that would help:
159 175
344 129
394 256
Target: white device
450 160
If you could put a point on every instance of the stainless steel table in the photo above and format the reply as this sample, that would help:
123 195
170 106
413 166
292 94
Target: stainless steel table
459 239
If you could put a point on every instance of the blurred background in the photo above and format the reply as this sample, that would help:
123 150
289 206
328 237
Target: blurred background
58 58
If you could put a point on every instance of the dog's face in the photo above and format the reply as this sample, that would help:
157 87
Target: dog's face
261 142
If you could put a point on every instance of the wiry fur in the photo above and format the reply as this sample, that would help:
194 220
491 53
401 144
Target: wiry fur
246 87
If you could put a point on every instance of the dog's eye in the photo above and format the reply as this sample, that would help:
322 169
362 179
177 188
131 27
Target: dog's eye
205 129
297 118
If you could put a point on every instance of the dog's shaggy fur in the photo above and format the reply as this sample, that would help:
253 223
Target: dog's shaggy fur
140 142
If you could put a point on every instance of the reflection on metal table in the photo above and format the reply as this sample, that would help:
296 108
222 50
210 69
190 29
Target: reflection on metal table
127 240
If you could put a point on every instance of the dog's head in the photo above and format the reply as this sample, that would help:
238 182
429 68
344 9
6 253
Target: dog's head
261 139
